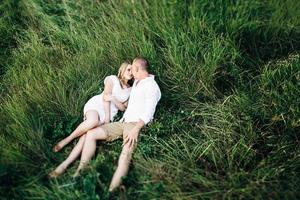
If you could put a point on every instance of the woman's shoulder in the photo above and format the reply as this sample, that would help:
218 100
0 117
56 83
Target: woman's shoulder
112 76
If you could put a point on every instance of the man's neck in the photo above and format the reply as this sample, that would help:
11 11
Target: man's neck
144 75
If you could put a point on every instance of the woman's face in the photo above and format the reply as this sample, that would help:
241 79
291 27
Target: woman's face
127 73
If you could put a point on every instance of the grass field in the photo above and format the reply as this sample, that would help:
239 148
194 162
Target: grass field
228 123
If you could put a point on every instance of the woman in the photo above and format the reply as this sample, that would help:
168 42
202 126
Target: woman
98 110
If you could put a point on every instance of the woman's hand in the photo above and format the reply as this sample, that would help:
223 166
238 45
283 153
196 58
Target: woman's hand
106 120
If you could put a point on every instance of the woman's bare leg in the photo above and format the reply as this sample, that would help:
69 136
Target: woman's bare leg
89 147
92 120
71 158
123 166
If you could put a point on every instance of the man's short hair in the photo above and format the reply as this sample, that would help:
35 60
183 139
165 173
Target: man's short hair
143 62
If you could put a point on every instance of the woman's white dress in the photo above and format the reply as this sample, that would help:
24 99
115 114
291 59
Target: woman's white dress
96 102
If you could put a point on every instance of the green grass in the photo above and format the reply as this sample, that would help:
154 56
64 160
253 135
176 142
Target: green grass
228 121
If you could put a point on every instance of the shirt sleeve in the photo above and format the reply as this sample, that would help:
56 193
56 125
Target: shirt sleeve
153 95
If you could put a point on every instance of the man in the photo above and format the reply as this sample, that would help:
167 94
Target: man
144 97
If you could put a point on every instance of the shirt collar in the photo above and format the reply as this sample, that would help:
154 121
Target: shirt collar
149 78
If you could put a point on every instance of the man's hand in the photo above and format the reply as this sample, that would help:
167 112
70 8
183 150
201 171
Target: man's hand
132 137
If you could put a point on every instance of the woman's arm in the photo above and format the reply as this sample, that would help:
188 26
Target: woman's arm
108 85
119 105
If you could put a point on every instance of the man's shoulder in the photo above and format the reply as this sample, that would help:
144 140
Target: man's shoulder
151 87
152 83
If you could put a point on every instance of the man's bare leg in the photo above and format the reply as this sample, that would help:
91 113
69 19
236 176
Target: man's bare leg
123 166
89 147
92 120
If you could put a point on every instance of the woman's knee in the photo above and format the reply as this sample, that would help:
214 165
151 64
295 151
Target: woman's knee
92 118
96 134
92 122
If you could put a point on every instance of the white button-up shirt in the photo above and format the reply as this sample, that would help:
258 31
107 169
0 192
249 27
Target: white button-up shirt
143 99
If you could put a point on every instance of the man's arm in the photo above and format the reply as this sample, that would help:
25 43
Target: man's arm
131 138
152 97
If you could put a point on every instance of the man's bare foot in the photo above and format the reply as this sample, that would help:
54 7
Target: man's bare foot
122 191
57 172
59 146
112 188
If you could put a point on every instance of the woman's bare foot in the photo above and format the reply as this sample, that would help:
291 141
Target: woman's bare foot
59 146
76 174
82 166
57 172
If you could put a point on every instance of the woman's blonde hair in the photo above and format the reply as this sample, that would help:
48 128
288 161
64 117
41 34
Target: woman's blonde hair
121 72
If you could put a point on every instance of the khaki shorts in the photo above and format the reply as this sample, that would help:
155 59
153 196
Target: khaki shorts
116 130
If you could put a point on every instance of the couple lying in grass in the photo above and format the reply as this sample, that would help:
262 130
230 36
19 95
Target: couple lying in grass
100 110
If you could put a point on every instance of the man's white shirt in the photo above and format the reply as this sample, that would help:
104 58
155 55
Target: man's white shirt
143 99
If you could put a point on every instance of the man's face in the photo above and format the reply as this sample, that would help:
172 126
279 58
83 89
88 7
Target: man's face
135 70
